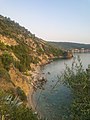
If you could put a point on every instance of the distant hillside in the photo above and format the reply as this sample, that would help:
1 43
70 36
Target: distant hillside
69 45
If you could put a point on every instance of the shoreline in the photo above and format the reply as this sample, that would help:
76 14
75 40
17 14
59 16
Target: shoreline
35 81
36 75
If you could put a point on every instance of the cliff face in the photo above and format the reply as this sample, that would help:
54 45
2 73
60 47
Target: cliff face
20 53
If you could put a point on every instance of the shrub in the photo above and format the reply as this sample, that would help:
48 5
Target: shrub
19 66
21 94
4 74
2 46
11 108
78 80
6 60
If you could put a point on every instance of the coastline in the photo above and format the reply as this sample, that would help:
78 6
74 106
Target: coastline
35 81
36 76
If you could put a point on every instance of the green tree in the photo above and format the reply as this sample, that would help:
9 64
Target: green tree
6 60
78 80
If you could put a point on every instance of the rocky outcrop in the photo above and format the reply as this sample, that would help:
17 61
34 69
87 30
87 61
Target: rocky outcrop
19 80
8 41
24 51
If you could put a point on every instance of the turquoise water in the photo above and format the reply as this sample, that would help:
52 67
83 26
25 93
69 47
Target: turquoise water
53 102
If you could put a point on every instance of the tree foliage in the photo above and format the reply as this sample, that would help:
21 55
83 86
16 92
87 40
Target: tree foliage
6 60
78 80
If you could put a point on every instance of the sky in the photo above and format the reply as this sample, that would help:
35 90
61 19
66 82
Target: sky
51 20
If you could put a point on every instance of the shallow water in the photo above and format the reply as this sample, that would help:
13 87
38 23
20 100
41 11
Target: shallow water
54 102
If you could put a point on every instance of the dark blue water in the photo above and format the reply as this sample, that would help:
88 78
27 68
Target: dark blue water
53 102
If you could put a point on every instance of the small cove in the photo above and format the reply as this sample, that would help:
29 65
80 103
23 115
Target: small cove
53 102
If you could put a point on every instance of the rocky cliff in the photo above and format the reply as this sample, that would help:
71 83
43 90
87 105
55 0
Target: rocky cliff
20 53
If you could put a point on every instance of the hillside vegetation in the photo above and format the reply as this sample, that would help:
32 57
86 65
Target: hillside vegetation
20 49
20 53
